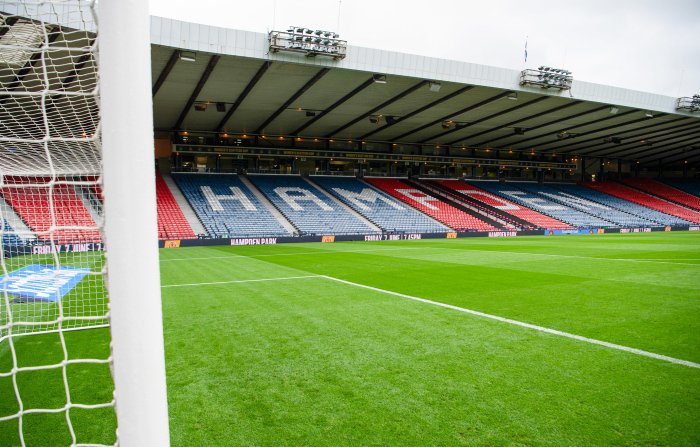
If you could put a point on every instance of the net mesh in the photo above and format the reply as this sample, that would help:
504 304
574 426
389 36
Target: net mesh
55 382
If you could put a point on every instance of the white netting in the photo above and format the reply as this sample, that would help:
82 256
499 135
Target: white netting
55 384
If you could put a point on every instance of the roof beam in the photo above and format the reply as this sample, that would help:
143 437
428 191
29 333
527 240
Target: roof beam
486 118
455 114
669 141
654 163
576 126
518 121
319 74
556 121
9 23
655 151
677 158
619 135
36 57
401 95
617 148
174 57
241 97
419 110
198 88
565 143
333 106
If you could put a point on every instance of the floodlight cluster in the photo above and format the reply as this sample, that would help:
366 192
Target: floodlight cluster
691 104
308 41
547 77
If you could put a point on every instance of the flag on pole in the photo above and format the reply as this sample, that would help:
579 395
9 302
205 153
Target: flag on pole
526 49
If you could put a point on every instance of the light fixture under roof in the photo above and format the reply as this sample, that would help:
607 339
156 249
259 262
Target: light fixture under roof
188 56
513 96
434 86
614 110
379 78
648 114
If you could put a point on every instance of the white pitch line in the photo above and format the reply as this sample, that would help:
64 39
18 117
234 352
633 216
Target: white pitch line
240 281
324 252
525 325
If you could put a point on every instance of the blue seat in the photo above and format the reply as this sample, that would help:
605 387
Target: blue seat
226 206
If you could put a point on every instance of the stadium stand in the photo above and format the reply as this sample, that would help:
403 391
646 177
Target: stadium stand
689 186
644 199
8 234
504 205
665 192
226 207
519 216
648 216
171 222
452 198
430 205
527 194
377 207
308 208
34 205
571 195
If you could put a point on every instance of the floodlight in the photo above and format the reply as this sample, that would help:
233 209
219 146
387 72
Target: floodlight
447 124
374 119
200 106
648 114
434 86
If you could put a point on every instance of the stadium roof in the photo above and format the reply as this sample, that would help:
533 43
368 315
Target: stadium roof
317 97
271 93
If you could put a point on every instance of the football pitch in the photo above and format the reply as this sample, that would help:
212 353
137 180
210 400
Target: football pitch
560 341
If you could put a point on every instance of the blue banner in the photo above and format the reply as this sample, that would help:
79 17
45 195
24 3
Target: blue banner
38 282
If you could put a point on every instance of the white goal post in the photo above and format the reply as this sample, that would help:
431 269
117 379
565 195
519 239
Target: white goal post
78 234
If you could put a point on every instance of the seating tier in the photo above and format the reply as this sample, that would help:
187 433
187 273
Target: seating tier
379 207
504 205
307 207
171 222
226 207
632 195
432 206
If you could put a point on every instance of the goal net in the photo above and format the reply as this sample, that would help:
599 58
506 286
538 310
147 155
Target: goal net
56 364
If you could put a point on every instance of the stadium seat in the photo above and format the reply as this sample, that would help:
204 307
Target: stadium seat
308 208
687 216
172 224
665 191
226 207
378 207
35 202
432 206
536 219
533 195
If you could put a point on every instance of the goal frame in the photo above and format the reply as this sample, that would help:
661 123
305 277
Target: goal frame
133 274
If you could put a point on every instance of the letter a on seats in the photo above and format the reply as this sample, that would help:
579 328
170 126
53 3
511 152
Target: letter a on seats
303 195
237 195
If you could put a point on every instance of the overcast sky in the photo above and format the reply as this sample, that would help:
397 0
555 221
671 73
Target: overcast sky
648 45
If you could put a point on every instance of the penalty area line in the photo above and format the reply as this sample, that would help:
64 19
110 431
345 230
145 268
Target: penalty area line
523 324
286 278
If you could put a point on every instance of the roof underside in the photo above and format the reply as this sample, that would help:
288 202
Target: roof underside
272 98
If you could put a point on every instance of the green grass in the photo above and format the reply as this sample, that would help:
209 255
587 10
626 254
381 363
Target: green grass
311 361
